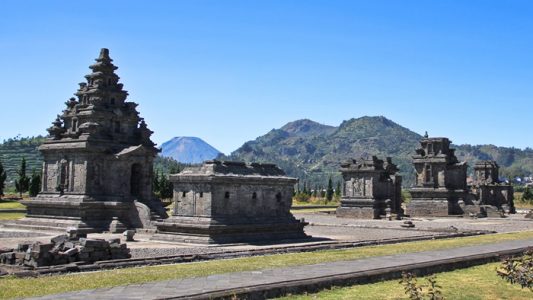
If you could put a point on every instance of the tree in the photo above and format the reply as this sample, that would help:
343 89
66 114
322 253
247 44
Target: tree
338 190
305 188
166 189
329 191
156 186
35 183
3 177
527 195
23 181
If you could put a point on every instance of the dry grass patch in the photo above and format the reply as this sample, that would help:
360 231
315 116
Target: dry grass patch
476 283
26 287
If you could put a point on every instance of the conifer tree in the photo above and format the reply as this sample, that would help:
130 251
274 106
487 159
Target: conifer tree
3 177
338 189
156 187
166 188
329 191
35 183
23 181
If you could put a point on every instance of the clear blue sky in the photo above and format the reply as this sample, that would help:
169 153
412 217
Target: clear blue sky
229 71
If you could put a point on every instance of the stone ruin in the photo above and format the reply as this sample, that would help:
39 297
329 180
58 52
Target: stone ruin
372 189
98 162
440 183
64 249
231 202
489 190
441 188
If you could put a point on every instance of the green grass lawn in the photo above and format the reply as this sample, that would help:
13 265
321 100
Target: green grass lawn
312 210
25 287
10 204
11 216
480 282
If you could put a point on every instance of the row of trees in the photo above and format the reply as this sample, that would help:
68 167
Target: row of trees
23 183
318 191
32 184
162 187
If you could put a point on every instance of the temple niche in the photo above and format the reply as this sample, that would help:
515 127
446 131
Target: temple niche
488 188
372 189
440 183
98 159
231 202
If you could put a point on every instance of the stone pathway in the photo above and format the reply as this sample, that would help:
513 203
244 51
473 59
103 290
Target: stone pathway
265 283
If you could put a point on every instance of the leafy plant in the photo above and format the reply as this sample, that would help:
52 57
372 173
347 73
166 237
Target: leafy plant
527 195
416 291
518 270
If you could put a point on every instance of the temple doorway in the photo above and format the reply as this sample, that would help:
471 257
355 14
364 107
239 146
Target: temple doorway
136 180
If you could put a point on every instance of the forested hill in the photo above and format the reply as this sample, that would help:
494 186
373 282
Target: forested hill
313 151
14 149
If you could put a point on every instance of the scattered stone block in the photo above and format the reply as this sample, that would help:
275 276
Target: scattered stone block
64 250
407 224
60 239
5 250
129 234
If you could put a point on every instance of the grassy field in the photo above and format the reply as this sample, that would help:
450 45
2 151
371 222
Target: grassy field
25 287
4 216
480 282
312 210
11 204
521 204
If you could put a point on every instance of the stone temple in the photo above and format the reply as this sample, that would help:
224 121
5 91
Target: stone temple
231 202
371 189
440 184
488 188
98 159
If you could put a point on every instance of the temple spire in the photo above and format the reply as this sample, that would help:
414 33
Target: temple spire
104 55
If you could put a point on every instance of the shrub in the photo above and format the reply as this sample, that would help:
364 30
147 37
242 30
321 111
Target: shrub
415 291
518 270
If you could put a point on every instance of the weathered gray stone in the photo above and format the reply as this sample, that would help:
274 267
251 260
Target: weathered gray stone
39 254
489 190
440 187
371 189
129 234
228 202
98 160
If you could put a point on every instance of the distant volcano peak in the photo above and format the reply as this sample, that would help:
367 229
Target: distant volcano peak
189 150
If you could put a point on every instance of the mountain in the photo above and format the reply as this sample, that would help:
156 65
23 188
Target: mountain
313 152
305 149
13 150
189 150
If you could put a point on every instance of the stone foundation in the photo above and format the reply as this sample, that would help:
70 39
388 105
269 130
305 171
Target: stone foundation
187 230
435 202
357 213
61 212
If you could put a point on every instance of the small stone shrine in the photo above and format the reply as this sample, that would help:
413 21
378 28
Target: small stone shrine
440 183
97 169
231 202
371 189
489 190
